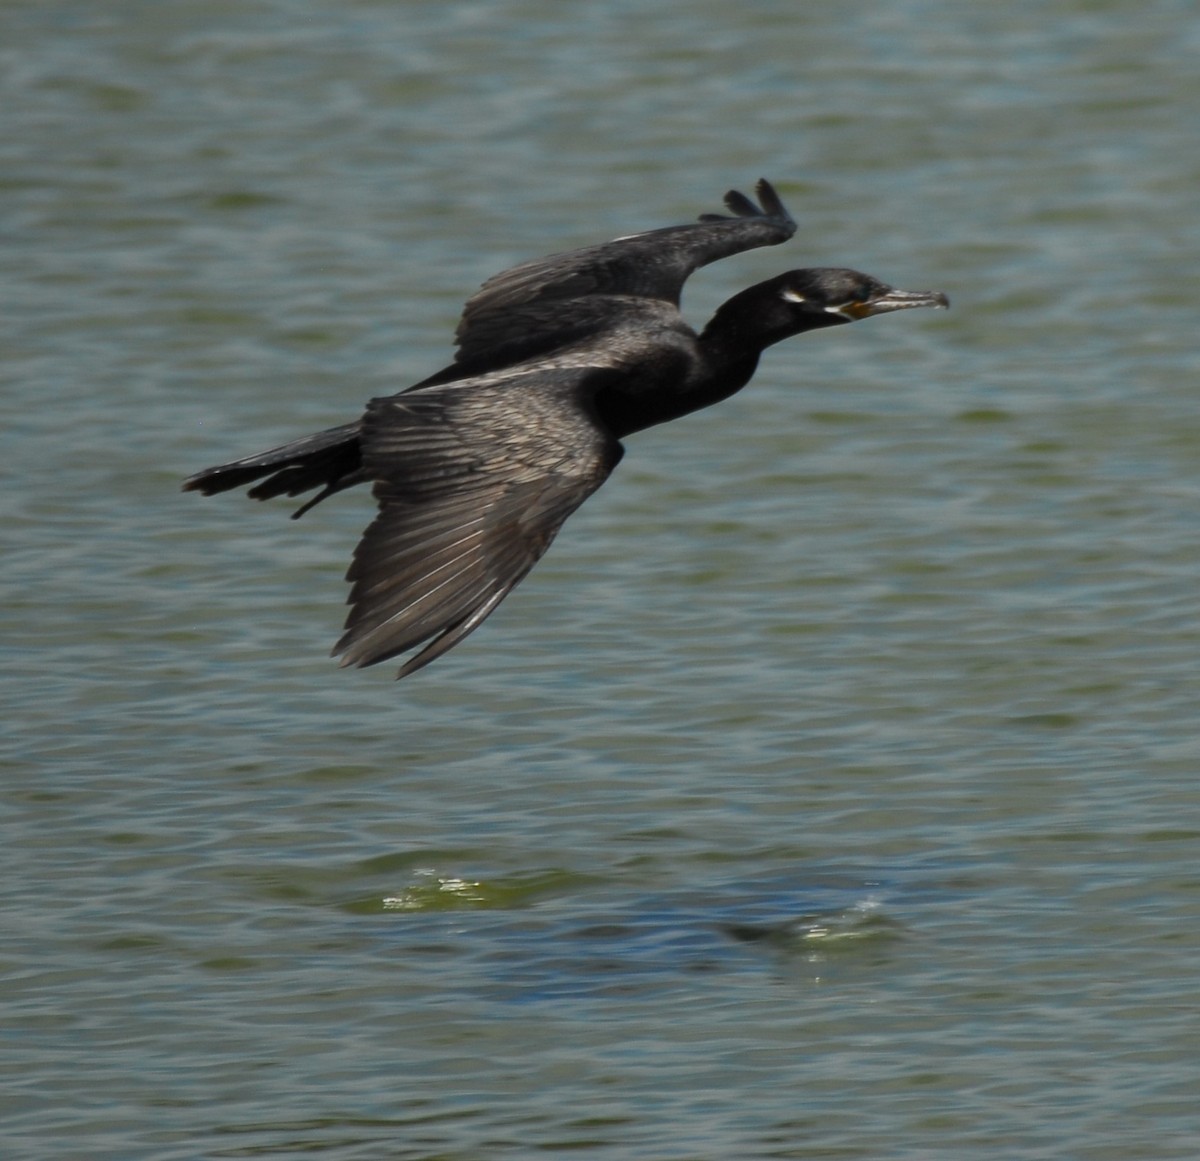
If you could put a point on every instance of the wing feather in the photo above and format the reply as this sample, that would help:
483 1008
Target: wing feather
472 488
543 304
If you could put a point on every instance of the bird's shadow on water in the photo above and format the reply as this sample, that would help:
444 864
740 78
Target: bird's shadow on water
593 944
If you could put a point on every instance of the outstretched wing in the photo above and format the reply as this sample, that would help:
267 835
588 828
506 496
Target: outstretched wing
473 482
543 304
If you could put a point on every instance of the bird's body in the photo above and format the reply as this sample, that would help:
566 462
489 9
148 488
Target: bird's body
476 468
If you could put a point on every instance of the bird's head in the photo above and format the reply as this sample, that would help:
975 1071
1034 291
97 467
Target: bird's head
827 296
807 300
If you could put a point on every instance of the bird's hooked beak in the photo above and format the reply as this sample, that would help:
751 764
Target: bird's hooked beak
894 300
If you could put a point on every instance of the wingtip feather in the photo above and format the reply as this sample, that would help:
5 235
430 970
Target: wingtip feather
739 204
769 205
770 200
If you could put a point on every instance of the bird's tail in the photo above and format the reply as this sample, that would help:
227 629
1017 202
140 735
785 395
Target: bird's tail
330 460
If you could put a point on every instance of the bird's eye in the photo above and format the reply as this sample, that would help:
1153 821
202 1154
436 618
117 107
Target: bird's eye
793 296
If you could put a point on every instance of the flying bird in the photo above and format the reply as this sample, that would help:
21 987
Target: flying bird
476 468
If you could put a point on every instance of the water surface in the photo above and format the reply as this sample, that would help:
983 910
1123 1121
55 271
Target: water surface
828 790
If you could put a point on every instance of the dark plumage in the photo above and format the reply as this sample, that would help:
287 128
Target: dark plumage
476 468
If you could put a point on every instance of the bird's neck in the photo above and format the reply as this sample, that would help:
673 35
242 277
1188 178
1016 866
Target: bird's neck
727 363
712 366
730 351
748 323
710 373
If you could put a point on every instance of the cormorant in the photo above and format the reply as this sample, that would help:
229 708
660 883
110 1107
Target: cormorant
476 468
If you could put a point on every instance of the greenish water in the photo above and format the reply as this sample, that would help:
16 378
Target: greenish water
830 790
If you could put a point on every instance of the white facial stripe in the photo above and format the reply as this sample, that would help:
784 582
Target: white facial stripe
793 296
